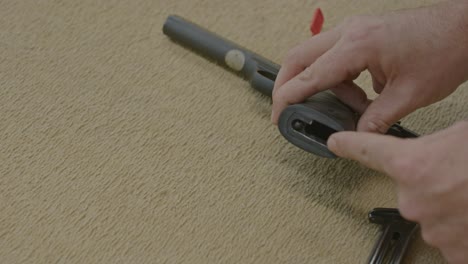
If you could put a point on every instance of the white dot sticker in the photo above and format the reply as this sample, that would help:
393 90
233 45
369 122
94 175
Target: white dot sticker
235 59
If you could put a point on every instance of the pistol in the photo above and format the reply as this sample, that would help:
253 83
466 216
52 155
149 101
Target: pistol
306 125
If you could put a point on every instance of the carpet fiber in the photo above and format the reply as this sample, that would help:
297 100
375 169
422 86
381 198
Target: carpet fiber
119 146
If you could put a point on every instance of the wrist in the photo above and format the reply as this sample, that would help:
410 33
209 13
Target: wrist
452 19
455 11
462 7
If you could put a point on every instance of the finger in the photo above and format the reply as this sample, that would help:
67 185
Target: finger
390 106
352 95
329 70
305 54
378 86
372 150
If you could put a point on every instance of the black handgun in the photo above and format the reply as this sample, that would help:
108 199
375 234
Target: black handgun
307 125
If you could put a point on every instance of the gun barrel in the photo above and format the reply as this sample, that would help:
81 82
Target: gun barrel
258 70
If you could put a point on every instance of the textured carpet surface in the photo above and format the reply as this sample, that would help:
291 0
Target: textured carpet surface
119 146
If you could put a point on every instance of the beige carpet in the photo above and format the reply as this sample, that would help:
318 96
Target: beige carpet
119 146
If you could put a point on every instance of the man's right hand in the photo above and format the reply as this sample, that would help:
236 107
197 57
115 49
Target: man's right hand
416 57
431 175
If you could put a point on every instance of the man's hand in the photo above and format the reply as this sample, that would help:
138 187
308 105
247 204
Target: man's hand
416 57
431 173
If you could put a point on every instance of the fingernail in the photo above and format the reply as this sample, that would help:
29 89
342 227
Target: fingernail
374 126
332 144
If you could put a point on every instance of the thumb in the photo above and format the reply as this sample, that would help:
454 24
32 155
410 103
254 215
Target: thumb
372 150
389 107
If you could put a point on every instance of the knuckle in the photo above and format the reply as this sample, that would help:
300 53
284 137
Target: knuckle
408 210
361 29
431 237
357 36
281 98
413 209
375 123
434 236
278 97
307 74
